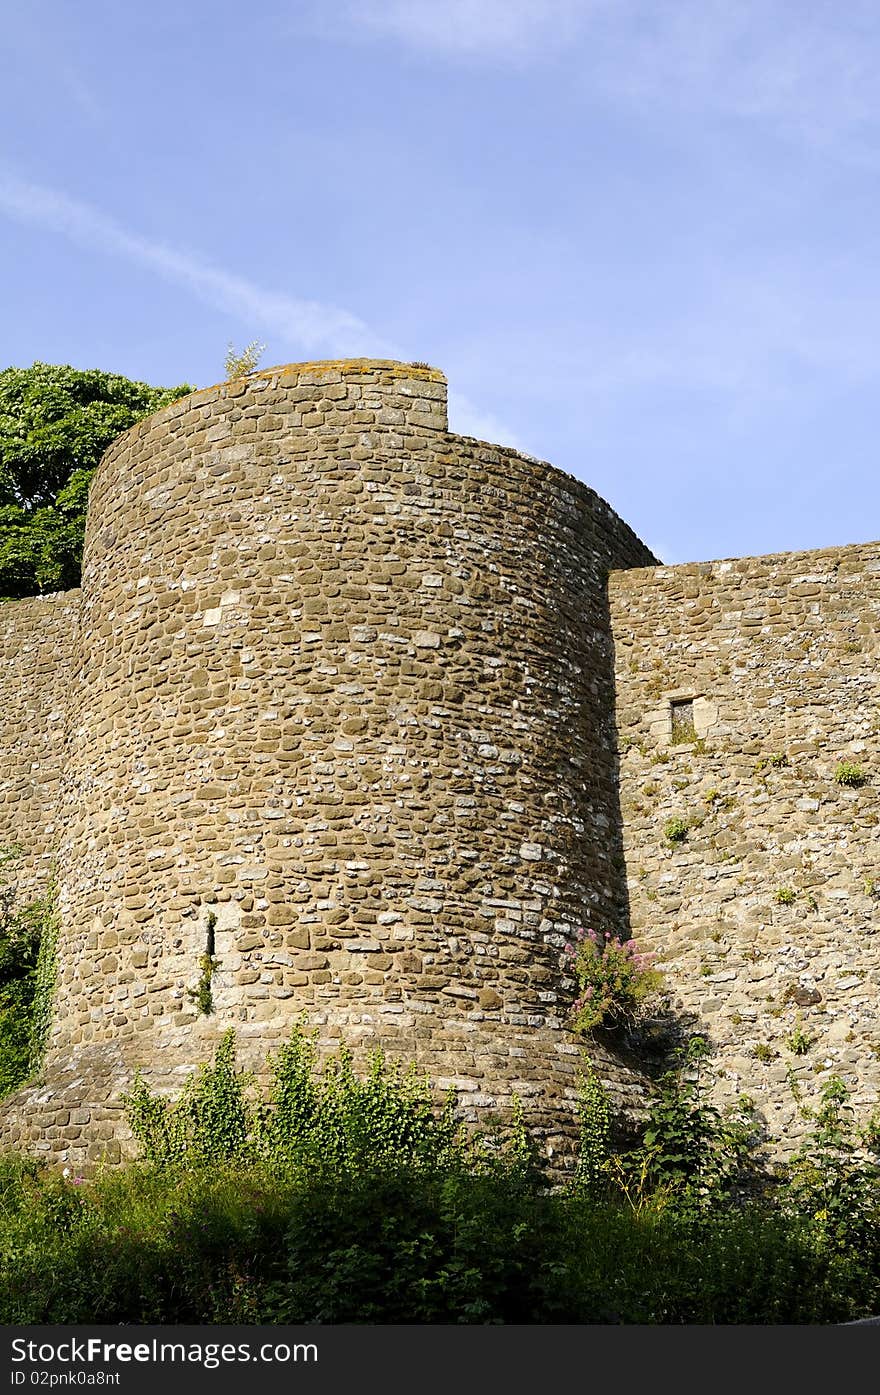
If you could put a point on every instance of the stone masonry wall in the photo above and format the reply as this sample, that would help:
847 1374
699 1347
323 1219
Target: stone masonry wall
766 913
347 689
38 647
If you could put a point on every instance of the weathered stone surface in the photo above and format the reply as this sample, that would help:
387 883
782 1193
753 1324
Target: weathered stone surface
340 688
773 899
38 651
338 682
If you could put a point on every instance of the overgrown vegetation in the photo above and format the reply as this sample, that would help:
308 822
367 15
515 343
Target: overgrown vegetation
687 1155
55 424
334 1120
348 1199
27 978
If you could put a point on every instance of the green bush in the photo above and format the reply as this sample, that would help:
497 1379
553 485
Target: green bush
849 774
227 1245
676 830
19 950
616 981
347 1200
687 1154
335 1122
55 424
834 1181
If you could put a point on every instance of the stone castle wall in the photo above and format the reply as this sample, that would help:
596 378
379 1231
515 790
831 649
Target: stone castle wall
394 711
38 656
346 690
766 915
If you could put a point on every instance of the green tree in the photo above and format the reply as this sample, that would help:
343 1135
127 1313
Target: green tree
55 424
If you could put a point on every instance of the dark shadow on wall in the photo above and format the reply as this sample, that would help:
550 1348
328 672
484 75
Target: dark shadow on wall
608 776
650 1045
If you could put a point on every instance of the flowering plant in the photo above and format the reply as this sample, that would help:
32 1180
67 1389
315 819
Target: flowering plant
615 980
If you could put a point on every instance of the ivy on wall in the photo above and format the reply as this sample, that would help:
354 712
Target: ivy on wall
28 940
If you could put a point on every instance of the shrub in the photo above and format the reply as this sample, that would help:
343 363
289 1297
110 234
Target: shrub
658 1228
616 981
55 424
832 1180
687 1155
676 830
850 775
239 365
210 1123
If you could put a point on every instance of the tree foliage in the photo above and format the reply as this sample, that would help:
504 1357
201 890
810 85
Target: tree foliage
55 424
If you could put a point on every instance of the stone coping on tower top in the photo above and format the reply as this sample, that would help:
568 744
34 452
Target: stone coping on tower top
311 372
416 383
349 367
365 394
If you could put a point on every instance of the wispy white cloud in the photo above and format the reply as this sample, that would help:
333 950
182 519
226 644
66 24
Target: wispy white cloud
494 30
81 92
807 67
49 48
469 420
311 325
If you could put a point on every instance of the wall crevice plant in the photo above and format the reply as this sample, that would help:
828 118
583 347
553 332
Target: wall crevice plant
850 775
203 993
617 982
239 364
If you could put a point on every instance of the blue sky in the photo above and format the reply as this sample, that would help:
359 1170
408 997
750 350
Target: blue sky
640 237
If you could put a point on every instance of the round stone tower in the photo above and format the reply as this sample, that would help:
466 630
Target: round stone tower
343 718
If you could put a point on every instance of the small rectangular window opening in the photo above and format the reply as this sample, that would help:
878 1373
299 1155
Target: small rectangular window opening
683 722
